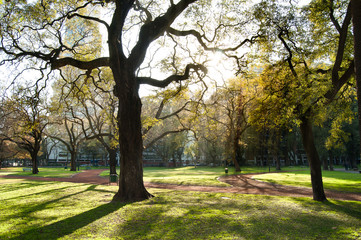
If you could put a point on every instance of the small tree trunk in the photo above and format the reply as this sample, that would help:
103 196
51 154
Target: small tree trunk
112 160
277 151
234 155
236 165
278 163
331 160
174 160
325 163
73 161
285 154
313 159
353 164
179 154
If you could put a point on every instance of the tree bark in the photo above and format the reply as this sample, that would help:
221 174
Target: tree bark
313 159
356 20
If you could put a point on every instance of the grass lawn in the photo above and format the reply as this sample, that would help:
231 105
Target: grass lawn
332 180
53 210
206 176
43 172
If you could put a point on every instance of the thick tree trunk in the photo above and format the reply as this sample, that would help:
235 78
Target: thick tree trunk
356 20
313 159
131 185
112 161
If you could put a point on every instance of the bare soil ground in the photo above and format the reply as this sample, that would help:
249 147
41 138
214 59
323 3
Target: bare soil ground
243 184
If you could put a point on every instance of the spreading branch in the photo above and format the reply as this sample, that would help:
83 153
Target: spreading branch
163 135
152 30
173 78
341 45
90 18
200 40
85 65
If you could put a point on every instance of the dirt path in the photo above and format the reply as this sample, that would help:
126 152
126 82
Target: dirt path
243 184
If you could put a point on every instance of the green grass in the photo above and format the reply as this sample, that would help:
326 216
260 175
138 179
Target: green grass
53 210
205 176
43 172
332 180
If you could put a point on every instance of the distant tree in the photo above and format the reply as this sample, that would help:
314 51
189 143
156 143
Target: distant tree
67 127
67 123
166 113
167 118
69 132
25 121
97 113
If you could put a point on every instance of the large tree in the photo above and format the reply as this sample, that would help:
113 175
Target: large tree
53 35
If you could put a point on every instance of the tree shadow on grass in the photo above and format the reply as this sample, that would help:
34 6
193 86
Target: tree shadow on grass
212 219
350 208
53 190
69 225
9 187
